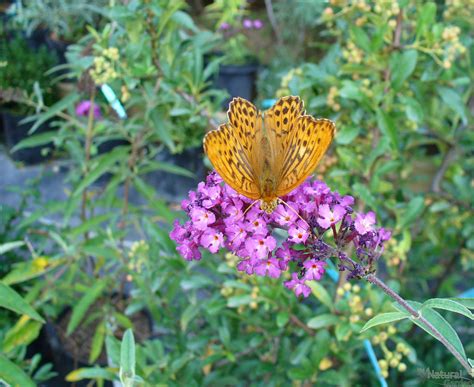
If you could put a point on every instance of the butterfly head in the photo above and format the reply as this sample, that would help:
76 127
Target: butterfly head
268 205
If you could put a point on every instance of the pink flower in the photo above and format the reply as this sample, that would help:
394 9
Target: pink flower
328 217
247 23
268 267
298 233
212 240
283 215
224 26
82 109
189 250
298 286
260 246
314 269
202 218
364 223
257 24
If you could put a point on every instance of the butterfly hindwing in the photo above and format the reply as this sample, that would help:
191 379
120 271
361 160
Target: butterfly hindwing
309 140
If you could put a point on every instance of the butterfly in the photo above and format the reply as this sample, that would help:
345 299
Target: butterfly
266 155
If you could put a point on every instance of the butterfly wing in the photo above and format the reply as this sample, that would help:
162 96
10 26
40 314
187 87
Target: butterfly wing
232 148
279 120
305 145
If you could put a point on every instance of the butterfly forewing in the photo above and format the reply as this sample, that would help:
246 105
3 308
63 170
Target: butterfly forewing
230 149
309 140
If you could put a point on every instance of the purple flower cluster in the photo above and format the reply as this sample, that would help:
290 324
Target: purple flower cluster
247 24
219 217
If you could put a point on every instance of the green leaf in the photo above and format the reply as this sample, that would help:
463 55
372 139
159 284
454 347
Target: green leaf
10 299
89 225
384 318
236 301
361 38
322 321
188 315
454 101
91 373
364 194
412 212
282 319
321 294
433 317
127 357
447 304
347 134
388 129
413 109
97 342
166 167
13 375
59 106
426 18
80 309
467 302
10 246
36 140
343 331
402 66
351 90
24 332
101 165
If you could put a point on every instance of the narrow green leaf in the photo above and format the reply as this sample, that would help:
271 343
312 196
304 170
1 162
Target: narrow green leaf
80 309
426 18
13 375
10 246
97 342
167 167
188 315
91 373
322 321
321 294
467 302
102 164
384 318
433 317
24 332
388 129
447 304
10 299
127 356
89 224
36 140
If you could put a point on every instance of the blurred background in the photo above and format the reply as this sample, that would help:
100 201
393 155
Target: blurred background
103 109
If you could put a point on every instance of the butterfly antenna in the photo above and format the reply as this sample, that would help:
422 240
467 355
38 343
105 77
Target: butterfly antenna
296 212
243 216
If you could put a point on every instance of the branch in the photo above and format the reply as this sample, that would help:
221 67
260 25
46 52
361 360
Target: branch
273 22
438 177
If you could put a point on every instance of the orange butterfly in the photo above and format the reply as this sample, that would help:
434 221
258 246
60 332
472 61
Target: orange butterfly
264 156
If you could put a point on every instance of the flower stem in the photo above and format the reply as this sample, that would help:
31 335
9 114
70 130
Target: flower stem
418 316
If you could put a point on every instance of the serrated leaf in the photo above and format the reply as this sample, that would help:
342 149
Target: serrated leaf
384 318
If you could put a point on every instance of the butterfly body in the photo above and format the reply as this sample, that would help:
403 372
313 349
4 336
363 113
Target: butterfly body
266 155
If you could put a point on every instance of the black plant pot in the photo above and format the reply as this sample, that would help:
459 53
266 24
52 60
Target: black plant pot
237 80
16 132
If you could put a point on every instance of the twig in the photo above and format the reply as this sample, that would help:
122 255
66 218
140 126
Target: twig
273 22
302 325
438 177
